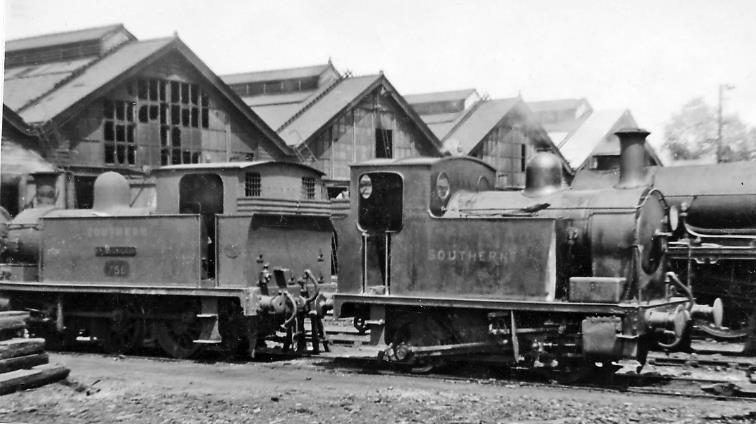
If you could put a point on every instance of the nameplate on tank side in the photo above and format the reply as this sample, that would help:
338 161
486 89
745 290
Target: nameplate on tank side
115 251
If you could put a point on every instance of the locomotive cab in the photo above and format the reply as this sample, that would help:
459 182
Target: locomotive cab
391 193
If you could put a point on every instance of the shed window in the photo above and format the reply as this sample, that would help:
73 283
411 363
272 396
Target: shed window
252 184
308 187
174 105
383 143
118 132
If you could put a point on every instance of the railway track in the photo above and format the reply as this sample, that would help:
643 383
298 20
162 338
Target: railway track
677 375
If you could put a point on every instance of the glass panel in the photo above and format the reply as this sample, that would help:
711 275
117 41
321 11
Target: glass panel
175 92
109 131
120 153
108 109
205 118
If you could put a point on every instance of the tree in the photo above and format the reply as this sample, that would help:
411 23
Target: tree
692 133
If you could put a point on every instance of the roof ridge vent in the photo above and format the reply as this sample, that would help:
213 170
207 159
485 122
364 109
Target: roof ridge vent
70 77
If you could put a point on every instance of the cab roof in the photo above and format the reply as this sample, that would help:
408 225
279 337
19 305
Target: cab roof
233 165
421 161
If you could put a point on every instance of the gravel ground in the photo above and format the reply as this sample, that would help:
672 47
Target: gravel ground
144 390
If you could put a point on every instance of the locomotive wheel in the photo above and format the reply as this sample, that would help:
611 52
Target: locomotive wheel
176 337
124 332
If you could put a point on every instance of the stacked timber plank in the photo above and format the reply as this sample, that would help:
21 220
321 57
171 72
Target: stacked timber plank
23 361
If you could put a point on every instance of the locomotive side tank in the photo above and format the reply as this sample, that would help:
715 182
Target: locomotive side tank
549 275
234 253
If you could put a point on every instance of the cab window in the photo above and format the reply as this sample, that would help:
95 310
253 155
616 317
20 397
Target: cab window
380 202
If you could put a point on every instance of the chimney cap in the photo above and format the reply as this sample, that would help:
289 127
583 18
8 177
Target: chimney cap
632 130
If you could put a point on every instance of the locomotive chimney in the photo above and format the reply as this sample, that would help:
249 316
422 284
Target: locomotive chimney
632 156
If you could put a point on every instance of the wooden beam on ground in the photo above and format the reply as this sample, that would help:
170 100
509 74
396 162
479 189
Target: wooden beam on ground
35 377
23 362
12 324
23 315
12 348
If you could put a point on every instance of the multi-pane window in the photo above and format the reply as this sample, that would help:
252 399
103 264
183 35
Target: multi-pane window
178 107
308 187
252 184
118 132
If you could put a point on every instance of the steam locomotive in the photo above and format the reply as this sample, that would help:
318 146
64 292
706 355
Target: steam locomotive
714 247
233 253
551 276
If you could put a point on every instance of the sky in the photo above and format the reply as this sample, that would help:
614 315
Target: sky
647 56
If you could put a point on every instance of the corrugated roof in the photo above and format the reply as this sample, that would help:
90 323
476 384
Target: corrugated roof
337 97
477 123
94 77
276 115
60 38
26 83
440 96
595 135
441 129
276 74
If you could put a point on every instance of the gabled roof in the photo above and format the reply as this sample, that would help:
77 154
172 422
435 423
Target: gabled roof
330 101
595 137
24 84
472 126
95 78
278 74
477 122
441 96
60 38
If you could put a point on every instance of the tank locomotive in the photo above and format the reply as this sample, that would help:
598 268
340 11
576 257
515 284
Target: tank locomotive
546 277
232 254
